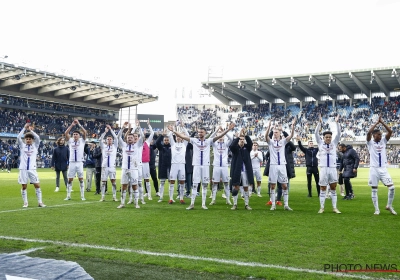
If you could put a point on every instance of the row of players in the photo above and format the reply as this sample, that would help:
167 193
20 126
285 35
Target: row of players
135 166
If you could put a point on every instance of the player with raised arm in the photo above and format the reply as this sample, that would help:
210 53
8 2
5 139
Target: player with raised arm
130 159
378 164
27 165
327 163
220 164
201 161
76 146
277 171
256 160
178 152
109 154
146 159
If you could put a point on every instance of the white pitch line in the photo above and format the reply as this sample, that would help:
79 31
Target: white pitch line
52 206
180 256
27 251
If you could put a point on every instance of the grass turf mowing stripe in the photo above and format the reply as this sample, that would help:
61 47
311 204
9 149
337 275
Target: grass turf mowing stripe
52 206
171 255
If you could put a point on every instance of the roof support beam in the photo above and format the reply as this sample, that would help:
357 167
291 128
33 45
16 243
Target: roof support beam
68 90
381 85
87 92
4 75
262 94
344 88
275 92
220 97
309 90
362 87
24 79
239 99
51 88
243 93
100 95
120 100
326 89
296 94
39 84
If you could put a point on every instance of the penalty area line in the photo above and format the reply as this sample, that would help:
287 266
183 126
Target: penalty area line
51 206
188 257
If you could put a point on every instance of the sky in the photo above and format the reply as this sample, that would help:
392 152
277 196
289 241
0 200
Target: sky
163 47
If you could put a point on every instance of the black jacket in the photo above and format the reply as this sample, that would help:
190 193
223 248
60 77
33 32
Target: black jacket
164 158
241 156
90 161
97 156
310 154
350 160
153 154
60 159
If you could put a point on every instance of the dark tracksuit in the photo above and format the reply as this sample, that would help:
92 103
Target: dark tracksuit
350 161
312 166
152 166
97 156
60 162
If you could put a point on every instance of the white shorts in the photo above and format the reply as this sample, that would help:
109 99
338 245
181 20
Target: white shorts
75 168
220 173
245 180
108 172
146 170
327 176
140 172
257 174
25 175
177 172
379 173
277 173
129 176
201 173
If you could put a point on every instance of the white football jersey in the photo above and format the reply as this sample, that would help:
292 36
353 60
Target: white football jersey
221 150
76 150
327 152
28 153
377 153
256 160
201 151
277 151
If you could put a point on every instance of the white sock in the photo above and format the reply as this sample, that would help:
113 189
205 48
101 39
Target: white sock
171 191
227 191
272 196
69 188
82 186
390 196
103 188
246 198
140 188
250 189
24 194
241 191
214 191
123 196
181 190
235 199
136 196
322 197
374 195
259 190
114 189
39 195
130 192
162 183
194 194
334 198
204 194
285 197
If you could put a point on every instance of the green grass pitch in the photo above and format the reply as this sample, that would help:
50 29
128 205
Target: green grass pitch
162 241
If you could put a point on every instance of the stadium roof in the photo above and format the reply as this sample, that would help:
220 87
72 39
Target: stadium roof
43 85
301 86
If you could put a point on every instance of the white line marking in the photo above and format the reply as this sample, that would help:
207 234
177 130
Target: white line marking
52 206
180 256
27 251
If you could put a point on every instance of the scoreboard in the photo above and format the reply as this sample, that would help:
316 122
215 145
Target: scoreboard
156 121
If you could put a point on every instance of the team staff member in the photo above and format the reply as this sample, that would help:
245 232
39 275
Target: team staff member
311 163
348 167
60 161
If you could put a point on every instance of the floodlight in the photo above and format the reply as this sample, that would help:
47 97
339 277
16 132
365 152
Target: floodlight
73 88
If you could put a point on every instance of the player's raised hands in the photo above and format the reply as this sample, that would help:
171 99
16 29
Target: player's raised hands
170 127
